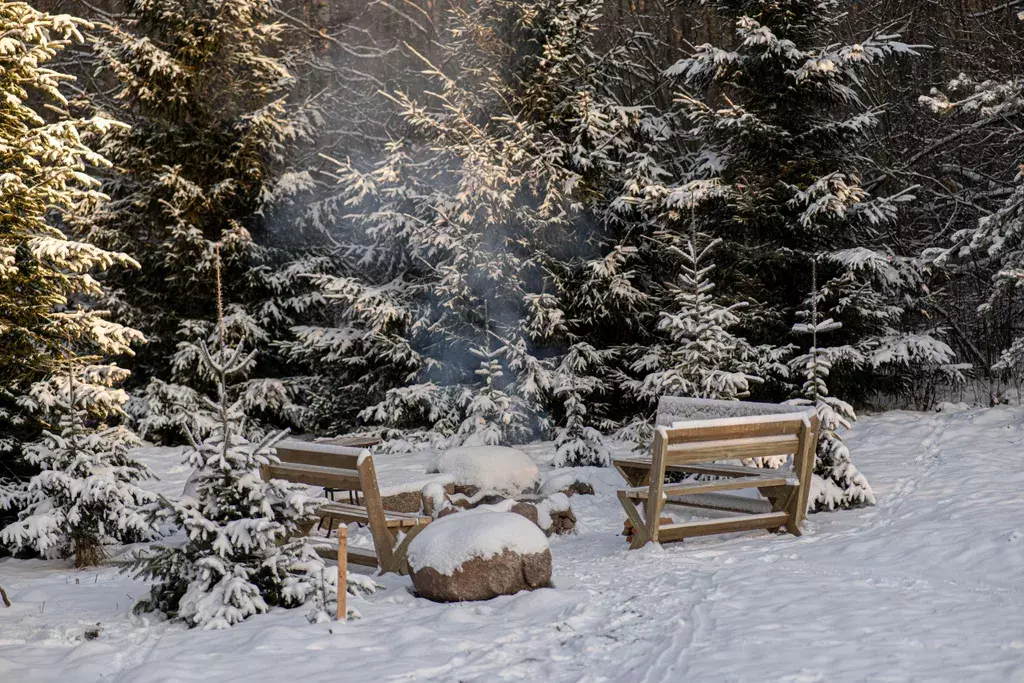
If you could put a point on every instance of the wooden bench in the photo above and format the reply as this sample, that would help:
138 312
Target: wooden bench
693 447
345 468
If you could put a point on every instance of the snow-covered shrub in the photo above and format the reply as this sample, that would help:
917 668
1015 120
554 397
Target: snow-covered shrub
204 164
85 496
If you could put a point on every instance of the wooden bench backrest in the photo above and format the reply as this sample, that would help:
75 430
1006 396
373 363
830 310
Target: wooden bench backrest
325 455
733 438
336 467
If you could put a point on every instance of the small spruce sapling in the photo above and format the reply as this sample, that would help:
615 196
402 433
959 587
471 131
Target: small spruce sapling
244 551
706 360
837 483
492 416
85 496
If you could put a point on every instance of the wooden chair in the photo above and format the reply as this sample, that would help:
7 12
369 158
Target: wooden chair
344 468
692 448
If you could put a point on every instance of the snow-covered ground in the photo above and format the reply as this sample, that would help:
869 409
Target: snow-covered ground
924 587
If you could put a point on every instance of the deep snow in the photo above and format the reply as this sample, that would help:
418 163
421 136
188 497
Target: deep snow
923 587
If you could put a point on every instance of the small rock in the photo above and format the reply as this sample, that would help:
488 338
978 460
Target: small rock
433 499
467 490
563 522
527 510
485 578
581 488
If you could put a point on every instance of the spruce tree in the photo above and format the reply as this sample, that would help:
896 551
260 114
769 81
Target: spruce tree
203 163
86 496
995 243
45 278
244 550
47 281
837 483
475 269
778 118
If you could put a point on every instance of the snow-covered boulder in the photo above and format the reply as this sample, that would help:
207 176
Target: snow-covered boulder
497 469
478 555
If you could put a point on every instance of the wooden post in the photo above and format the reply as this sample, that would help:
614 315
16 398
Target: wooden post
342 570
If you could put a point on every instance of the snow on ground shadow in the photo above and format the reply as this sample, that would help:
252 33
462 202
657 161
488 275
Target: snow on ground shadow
923 587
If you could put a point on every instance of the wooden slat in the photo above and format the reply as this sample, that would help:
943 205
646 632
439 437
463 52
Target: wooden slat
383 539
714 430
676 532
361 556
686 487
341 591
352 441
723 502
714 469
652 508
731 449
726 470
313 475
356 513
320 454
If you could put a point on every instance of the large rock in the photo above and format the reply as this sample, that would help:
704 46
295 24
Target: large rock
491 469
404 501
478 555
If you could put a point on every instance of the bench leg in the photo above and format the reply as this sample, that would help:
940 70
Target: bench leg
780 497
641 536
399 563
635 476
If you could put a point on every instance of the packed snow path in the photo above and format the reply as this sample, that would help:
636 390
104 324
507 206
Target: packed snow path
923 587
